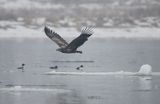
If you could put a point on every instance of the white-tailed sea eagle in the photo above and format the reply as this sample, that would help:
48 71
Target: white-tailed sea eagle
71 47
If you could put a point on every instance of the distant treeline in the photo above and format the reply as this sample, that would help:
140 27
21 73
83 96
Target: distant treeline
76 16
121 2
76 1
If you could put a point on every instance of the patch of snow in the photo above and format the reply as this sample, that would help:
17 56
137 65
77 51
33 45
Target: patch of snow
67 21
39 21
122 33
108 23
123 73
20 19
91 6
142 24
90 23
18 4
23 89
17 87
11 23
145 69
126 25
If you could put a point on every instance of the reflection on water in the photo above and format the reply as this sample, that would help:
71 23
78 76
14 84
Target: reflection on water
56 96
145 83
70 98
75 61
145 92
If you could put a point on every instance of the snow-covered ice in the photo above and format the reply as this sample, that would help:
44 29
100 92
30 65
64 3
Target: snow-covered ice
10 29
145 70
24 89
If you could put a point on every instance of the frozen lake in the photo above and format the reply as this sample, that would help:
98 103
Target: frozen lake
99 55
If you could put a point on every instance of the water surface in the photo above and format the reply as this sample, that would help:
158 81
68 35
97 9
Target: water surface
99 55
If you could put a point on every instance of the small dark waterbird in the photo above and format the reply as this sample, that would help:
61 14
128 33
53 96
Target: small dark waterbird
69 47
54 67
79 68
21 67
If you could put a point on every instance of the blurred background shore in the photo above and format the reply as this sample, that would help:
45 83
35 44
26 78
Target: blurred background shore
111 18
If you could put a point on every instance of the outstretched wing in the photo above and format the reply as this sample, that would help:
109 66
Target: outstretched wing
55 37
85 34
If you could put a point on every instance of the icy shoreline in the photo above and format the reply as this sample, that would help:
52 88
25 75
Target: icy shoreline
13 29
20 31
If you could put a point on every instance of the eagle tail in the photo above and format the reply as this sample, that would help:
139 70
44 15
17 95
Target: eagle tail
87 31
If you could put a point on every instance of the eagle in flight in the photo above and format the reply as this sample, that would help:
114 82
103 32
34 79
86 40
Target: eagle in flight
69 47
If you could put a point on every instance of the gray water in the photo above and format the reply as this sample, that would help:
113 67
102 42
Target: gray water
99 55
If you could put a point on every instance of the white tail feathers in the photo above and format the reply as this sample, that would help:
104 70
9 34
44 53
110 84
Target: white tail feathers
86 30
145 69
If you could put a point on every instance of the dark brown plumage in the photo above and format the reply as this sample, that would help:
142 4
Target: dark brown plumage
71 47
